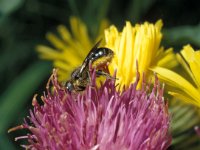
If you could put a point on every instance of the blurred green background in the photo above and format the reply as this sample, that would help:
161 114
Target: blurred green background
24 23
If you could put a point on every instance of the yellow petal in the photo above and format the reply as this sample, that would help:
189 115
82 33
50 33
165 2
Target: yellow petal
177 81
48 53
70 48
137 44
184 64
188 53
55 41
196 72
80 32
193 59
185 98
166 58
64 32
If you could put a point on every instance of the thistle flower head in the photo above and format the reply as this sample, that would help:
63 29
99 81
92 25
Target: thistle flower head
100 118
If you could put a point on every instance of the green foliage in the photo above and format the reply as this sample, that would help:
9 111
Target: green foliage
183 35
23 24
16 95
8 7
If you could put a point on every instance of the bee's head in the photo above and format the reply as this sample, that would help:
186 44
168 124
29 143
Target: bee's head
69 85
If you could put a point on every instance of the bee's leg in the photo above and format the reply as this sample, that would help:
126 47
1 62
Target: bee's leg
92 83
102 73
89 77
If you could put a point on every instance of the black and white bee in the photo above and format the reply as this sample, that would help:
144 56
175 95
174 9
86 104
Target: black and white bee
98 57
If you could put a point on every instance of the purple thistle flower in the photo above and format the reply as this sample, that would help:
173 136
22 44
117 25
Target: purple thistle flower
99 119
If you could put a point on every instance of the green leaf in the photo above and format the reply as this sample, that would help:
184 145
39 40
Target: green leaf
19 92
182 35
19 56
103 9
93 14
5 143
73 6
8 6
137 8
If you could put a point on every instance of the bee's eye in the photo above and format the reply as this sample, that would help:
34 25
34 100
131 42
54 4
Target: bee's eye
76 77
69 86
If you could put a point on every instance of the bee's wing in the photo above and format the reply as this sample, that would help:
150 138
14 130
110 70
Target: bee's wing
88 57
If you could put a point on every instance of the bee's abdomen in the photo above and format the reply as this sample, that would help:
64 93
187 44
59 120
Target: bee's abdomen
101 56
101 52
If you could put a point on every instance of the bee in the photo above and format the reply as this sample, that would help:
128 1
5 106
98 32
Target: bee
97 57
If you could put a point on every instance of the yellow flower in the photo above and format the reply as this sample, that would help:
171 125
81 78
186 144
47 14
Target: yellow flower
137 44
188 91
70 50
